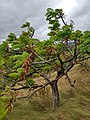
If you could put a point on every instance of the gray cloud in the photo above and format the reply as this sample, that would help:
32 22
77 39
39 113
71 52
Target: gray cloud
13 13
81 15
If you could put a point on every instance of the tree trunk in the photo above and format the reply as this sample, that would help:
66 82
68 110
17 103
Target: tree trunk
55 94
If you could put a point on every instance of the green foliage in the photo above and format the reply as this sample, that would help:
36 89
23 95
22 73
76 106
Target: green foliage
19 59
66 31
27 24
46 68
3 110
52 17
16 46
16 57
30 82
58 32
30 31
4 48
84 39
14 75
23 40
53 14
85 46
25 55
48 43
11 38
59 46
18 64
20 70
33 41
42 52
1 62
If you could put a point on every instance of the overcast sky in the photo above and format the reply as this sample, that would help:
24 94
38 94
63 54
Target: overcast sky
13 13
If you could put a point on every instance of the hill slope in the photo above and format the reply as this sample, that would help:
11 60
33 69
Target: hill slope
74 101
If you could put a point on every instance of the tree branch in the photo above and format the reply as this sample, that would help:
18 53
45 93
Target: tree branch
67 77
42 75
47 61
26 87
37 55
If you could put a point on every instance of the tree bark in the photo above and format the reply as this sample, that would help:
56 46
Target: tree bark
55 94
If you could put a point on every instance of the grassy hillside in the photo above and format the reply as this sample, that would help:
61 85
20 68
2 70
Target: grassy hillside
75 103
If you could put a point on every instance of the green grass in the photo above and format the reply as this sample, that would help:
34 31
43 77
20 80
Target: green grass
75 103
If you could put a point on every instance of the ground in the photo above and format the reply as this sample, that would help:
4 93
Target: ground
74 101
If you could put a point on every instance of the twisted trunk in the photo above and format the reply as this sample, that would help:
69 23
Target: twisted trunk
55 94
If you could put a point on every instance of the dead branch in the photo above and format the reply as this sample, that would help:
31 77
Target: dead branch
69 80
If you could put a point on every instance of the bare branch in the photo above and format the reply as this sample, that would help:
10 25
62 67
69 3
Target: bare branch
63 20
84 59
37 55
67 48
26 87
47 61
29 96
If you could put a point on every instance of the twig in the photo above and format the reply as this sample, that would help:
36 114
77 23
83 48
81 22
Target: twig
26 87
47 61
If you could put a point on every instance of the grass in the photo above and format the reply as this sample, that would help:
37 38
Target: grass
75 103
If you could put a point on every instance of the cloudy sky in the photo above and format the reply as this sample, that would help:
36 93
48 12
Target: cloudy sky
13 13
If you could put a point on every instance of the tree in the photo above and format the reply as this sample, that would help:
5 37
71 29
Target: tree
28 56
